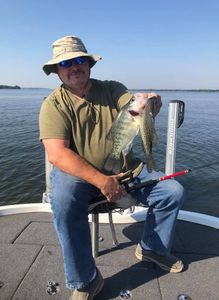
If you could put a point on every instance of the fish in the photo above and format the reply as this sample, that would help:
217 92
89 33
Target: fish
135 116
148 134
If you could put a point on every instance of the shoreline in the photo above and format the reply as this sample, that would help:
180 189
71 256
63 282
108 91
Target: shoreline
17 87
7 87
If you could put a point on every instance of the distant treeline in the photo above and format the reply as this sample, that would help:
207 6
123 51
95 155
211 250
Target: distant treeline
9 87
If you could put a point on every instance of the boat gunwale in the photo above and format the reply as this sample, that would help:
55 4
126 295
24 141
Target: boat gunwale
137 216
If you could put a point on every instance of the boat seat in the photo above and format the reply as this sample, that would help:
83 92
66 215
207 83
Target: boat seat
100 206
96 206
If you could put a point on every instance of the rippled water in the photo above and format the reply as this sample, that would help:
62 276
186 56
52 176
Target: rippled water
22 176
21 154
197 148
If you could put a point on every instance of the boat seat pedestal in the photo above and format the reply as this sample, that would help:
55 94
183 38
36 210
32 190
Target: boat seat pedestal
101 208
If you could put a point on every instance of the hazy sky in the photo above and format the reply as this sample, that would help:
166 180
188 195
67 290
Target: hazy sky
144 44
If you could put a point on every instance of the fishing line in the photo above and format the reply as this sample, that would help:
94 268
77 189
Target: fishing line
206 165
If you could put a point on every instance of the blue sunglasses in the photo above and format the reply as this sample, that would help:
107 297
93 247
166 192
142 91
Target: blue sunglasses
69 62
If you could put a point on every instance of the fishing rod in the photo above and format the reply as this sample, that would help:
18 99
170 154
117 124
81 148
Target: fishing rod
130 186
136 186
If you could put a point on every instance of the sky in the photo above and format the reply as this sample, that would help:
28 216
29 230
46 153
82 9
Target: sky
144 44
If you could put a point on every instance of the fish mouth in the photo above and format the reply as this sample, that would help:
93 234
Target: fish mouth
133 113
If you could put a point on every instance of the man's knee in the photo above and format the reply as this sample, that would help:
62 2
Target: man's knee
176 192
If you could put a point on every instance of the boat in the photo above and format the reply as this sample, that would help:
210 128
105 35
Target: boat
31 265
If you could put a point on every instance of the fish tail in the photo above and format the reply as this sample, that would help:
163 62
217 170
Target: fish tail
150 163
112 164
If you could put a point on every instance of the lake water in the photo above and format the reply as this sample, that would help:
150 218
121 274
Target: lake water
22 167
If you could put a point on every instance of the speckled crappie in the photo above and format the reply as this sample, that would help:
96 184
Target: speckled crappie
148 133
134 116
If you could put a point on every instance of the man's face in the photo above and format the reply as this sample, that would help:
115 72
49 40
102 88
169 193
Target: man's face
74 73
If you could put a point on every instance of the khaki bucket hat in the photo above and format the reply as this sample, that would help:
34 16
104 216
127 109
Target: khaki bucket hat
65 48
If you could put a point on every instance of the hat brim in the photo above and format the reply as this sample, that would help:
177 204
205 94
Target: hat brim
50 66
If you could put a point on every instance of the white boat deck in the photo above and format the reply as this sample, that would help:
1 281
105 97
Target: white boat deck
30 258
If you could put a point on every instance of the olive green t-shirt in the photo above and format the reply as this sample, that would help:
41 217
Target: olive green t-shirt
86 122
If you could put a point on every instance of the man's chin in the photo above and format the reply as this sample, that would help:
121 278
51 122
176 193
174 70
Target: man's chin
75 76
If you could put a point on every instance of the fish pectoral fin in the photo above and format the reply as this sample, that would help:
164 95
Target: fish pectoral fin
128 147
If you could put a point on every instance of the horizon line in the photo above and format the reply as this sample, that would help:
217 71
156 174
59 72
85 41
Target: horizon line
145 89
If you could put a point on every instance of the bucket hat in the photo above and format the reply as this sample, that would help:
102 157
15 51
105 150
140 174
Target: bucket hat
65 48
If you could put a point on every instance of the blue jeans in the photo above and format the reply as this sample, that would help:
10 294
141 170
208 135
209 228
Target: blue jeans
69 202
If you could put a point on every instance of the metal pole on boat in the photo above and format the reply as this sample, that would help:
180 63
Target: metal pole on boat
48 169
175 120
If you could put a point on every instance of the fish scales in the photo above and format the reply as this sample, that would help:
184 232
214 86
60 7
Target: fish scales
123 131
148 136
134 116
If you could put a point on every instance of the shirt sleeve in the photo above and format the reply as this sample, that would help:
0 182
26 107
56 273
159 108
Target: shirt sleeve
52 121
120 94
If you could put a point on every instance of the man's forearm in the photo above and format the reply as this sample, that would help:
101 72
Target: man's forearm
71 163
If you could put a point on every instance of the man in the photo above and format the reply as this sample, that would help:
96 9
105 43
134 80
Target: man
74 122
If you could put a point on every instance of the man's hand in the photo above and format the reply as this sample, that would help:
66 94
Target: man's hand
112 189
155 101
